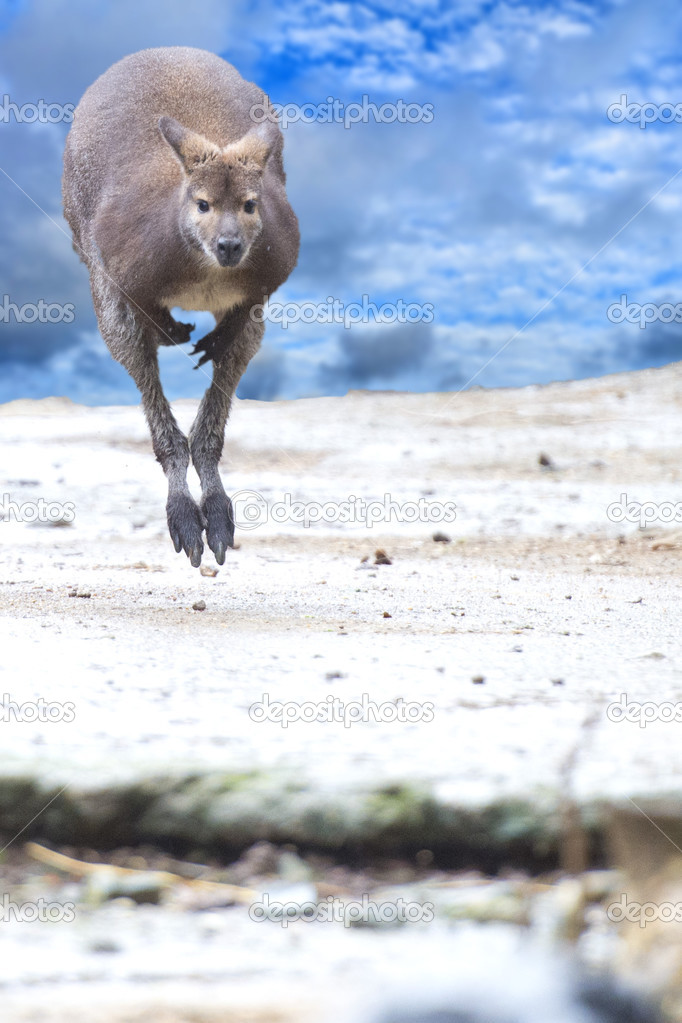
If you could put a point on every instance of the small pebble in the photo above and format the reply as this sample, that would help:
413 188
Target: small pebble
199 605
104 946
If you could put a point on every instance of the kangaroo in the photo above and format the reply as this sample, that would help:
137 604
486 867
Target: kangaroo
175 196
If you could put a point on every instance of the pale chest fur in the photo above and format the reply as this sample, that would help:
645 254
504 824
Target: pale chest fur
214 293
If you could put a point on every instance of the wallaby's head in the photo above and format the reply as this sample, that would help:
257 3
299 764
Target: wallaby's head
220 191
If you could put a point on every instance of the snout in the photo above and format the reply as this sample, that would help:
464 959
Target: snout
229 250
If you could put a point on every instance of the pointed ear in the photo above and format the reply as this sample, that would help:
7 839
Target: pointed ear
190 148
254 147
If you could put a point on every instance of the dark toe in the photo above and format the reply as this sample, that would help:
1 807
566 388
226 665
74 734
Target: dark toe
217 509
185 524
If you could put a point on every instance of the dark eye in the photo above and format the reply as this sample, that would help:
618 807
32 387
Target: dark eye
250 206
202 206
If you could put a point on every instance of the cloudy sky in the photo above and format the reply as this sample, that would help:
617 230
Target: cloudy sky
519 212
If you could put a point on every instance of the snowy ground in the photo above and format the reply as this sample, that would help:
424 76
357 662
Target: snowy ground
510 642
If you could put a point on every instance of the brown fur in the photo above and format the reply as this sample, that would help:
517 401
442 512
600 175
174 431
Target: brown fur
161 132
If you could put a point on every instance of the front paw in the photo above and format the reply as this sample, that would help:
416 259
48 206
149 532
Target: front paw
213 347
185 524
174 333
217 509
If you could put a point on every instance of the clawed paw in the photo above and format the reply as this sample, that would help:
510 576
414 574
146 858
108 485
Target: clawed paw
217 510
186 524
175 333
210 346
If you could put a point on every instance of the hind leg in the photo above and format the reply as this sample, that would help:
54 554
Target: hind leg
133 339
207 436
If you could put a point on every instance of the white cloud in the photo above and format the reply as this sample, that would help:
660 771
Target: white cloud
485 212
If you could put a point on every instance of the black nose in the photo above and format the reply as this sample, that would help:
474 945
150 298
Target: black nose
229 251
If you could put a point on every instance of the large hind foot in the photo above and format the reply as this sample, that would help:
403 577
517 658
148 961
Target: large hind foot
186 524
217 510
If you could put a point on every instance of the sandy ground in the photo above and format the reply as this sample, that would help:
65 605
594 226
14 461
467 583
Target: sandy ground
512 640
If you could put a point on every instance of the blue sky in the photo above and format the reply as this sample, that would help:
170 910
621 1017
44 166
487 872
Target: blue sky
520 212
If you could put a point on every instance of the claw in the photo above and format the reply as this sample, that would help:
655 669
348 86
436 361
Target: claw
205 346
219 553
213 348
195 556
203 359
177 543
